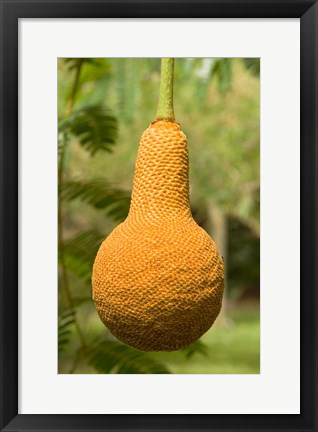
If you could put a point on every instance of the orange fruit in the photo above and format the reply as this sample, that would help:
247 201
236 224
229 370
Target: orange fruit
158 277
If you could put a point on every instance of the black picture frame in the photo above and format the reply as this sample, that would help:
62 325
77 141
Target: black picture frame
11 11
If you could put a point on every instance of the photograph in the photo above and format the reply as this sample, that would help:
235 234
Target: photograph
158 215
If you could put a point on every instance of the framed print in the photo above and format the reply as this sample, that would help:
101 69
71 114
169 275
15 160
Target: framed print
170 284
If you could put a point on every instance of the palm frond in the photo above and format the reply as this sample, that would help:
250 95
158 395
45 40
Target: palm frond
65 323
197 347
79 253
113 357
95 127
99 194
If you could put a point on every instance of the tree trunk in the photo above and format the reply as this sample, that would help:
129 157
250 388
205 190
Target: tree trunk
217 226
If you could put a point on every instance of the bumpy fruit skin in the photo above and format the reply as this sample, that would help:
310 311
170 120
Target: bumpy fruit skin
158 277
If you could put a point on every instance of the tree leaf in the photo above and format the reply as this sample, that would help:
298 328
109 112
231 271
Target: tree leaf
79 253
99 194
65 323
114 357
95 127
197 347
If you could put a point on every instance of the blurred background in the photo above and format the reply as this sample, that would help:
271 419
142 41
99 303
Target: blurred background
104 105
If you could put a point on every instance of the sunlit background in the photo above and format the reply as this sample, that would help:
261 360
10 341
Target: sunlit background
104 106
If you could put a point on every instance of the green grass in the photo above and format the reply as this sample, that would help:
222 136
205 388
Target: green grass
234 349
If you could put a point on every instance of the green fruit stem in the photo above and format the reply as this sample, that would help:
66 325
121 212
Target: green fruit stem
165 107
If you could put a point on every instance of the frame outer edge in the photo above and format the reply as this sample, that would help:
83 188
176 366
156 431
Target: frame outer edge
309 213
9 220
9 215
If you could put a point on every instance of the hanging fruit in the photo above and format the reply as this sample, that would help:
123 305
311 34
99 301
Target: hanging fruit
158 277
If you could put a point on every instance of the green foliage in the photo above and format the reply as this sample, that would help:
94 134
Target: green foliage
243 249
127 88
253 65
80 251
223 71
73 63
99 194
114 357
197 347
95 127
65 324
